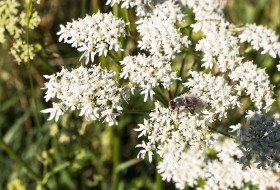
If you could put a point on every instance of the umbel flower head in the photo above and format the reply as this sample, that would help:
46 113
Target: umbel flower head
261 37
139 4
218 172
94 34
129 3
169 134
259 140
94 91
215 91
148 72
160 36
255 83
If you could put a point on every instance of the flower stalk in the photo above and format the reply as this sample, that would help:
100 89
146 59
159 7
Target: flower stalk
15 156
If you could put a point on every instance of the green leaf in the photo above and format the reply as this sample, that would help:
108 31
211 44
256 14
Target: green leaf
127 164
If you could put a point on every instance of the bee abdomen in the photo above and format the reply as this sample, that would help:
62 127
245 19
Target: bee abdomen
191 101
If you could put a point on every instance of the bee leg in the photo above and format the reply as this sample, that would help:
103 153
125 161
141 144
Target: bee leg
177 112
191 109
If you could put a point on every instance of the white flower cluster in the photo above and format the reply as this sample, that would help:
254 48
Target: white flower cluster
261 37
148 73
94 91
214 91
255 82
140 5
218 172
168 10
170 134
160 36
205 9
221 51
219 46
129 3
94 34
259 140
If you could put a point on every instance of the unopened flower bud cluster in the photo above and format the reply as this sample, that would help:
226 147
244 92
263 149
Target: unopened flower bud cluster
20 51
218 172
14 22
16 184
96 34
94 91
148 72
259 140
160 36
169 134
9 20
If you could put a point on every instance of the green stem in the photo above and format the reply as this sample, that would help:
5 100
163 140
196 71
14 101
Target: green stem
126 18
114 58
180 75
159 95
95 6
129 26
97 161
116 156
84 5
136 111
158 176
46 63
221 132
29 15
36 110
20 161
159 98
70 185
116 10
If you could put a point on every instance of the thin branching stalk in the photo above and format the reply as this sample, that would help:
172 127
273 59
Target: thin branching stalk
159 184
126 19
84 6
116 153
14 155
136 111
180 75
116 10
222 133
36 111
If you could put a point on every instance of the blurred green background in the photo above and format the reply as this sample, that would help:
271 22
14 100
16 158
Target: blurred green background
82 154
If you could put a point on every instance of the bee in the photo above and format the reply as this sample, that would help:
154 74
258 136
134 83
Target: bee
189 101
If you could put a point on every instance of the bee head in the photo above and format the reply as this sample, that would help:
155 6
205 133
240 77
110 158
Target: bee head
172 104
